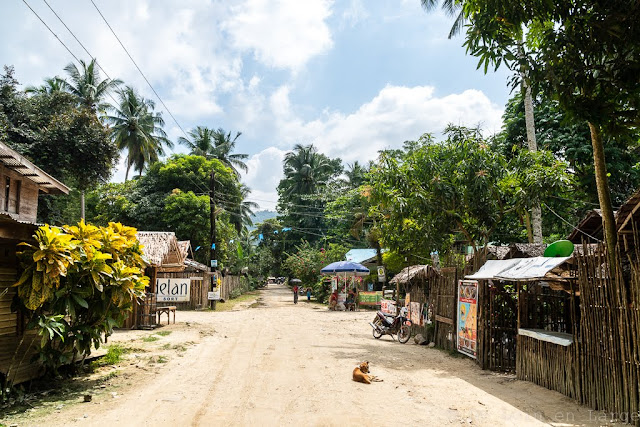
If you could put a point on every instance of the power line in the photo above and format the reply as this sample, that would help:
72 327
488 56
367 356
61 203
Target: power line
83 47
141 73
570 224
50 30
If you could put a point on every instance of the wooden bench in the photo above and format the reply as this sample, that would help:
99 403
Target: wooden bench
168 309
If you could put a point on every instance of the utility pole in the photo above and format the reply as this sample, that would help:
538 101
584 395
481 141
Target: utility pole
213 259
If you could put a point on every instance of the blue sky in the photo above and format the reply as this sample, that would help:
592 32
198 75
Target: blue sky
350 76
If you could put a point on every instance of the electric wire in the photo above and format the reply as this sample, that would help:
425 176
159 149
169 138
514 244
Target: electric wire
83 47
570 224
139 70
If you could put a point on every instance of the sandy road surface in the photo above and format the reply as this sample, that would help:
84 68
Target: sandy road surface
276 363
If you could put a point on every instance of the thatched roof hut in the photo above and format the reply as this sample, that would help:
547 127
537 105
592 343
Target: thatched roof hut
162 250
414 272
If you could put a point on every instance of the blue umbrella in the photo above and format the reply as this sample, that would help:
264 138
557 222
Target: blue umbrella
347 268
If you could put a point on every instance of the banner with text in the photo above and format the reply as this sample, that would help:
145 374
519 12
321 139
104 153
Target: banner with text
467 330
174 289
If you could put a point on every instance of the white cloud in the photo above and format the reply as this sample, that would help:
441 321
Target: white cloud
265 172
281 33
396 114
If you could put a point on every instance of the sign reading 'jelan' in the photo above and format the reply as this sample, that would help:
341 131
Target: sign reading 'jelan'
173 289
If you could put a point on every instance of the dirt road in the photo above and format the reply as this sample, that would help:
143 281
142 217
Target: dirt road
275 363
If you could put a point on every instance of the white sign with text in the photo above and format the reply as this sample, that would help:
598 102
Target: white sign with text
173 289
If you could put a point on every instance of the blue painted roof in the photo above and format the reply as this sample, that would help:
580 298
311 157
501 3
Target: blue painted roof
360 255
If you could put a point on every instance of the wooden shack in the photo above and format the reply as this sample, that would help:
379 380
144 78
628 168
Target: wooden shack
22 182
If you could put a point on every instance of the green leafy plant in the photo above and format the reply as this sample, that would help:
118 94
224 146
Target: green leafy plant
78 283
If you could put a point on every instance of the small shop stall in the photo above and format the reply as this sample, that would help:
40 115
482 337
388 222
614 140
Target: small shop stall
417 282
527 318
346 279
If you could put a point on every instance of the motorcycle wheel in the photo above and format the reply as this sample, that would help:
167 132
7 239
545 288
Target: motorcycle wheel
377 333
404 334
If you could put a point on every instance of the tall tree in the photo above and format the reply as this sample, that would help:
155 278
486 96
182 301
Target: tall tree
512 53
87 85
50 85
137 129
585 57
215 144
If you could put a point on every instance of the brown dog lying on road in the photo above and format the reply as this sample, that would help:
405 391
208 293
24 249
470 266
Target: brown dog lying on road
361 374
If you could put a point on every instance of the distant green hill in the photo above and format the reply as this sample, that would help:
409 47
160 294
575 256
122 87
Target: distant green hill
260 216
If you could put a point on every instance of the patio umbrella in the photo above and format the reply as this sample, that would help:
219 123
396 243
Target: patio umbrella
347 268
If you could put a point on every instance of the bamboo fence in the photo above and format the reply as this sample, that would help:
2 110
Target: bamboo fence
609 353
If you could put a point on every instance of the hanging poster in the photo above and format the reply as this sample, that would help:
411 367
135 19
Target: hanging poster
407 300
415 314
388 306
334 284
381 274
467 329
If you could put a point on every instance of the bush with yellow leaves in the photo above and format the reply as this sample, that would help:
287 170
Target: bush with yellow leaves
78 283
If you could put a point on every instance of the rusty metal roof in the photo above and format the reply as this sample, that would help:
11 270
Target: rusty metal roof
18 163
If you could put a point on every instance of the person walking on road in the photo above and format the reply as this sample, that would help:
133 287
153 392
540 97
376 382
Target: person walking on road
295 294
309 294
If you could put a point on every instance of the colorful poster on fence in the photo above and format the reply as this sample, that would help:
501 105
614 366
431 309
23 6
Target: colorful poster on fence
415 314
388 306
369 298
467 330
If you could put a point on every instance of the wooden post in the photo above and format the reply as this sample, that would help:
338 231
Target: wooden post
212 222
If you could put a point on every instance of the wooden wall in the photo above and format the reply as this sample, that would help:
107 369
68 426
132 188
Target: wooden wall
444 296
28 195
16 349
497 326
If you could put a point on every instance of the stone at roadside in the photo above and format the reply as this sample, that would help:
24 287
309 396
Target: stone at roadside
419 339
431 344
88 397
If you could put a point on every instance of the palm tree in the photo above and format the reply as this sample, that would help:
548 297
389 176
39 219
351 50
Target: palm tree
200 141
355 175
136 128
242 211
215 144
224 146
51 85
87 86
451 8
305 170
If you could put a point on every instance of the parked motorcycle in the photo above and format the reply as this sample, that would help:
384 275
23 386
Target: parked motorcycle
387 324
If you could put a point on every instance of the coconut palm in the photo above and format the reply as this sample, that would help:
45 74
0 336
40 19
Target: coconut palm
305 170
355 174
87 85
137 129
51 85
215 144
200 141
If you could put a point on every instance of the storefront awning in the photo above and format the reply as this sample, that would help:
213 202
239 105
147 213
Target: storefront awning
518 268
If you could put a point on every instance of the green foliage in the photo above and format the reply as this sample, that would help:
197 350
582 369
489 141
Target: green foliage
567 138
433 191
78 283
169 198
305 264
150 338
114 354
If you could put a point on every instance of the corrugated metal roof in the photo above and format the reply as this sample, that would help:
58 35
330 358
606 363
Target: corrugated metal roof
518 268
16 162
361 255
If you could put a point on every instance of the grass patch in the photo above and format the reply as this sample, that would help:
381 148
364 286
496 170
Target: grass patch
179 348
166 347
230 303
163 333
150 338
162 359
111 375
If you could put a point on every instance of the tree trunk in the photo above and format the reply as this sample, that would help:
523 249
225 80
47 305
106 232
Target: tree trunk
536 211
82 205
527 221
126 175
604 193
